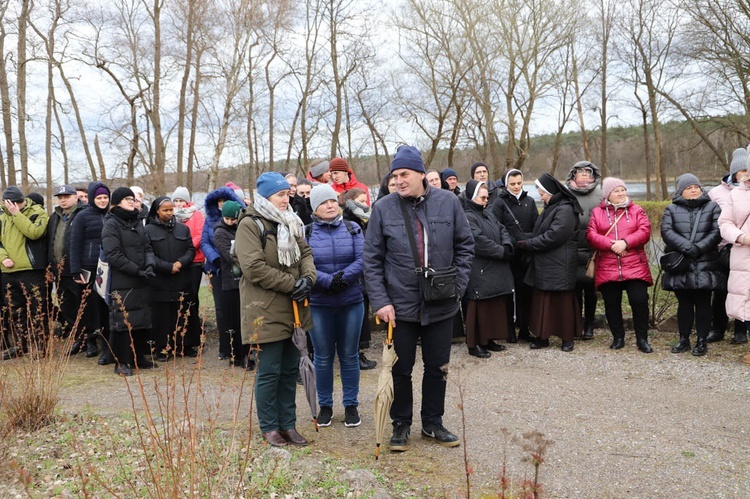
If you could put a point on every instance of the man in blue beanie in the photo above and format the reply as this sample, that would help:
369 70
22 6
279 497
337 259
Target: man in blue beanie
449 179
441 233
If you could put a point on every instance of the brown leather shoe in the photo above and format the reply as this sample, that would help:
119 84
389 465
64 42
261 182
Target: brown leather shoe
293 437
275 438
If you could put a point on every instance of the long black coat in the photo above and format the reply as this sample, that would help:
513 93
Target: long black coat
223 236
518 215
553 246
127 248
171 243
491 274
86 234
705 272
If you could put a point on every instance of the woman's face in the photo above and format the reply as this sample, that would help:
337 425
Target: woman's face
165 212
361 199
482 196
229 221
179 203
328 210
692 192
618 195
544 195
280 199
101 201
392 185
127 203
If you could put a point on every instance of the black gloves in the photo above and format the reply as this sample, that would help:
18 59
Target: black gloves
522 244
302 289
694 252
147 274
338 284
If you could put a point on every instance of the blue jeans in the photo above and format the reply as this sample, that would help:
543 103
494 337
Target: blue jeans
337 329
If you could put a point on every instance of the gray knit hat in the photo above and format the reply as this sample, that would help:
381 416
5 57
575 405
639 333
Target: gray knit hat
319 169
320 194
181 193
684 181
739 162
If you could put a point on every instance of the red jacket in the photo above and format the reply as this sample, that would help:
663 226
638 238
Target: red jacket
635 228
351 185
195 224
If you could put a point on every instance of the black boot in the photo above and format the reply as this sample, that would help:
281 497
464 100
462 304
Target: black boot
700 347
683 345
617 343
92 350
739 338
525 335
715 336
512 336
643 346
479 351
588 331
539 343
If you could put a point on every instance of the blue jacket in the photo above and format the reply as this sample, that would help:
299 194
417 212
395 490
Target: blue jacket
86 234
389 264
213 218
336 249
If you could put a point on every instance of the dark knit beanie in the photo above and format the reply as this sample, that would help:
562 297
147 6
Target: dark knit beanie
686 180
448 172
477 165
408 157
13 193
101 190
120 194
338 165
231 209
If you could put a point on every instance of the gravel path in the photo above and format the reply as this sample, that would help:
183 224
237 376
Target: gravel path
624 424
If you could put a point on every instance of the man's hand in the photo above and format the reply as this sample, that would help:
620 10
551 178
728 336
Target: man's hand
11 207
387 314
8 263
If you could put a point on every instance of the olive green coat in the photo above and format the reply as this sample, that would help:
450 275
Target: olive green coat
266 285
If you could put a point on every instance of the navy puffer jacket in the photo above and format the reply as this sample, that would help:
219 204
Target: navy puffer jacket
705 272
335 249
213 218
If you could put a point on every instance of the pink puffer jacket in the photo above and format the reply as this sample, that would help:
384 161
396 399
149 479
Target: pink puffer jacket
734 223
635 228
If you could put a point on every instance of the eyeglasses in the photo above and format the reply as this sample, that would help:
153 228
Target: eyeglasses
129 199
587 170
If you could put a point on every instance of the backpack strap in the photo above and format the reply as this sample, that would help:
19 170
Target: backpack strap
263 231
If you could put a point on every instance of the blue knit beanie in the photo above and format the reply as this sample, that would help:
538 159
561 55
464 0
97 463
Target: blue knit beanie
408 157
448 172
269 183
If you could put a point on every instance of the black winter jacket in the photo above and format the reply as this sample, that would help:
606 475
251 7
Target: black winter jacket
54 220
518 215
493 249
171 242
553 245
128 250
705 272
223 236
86 234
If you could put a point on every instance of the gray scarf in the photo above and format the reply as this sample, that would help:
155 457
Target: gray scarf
287 232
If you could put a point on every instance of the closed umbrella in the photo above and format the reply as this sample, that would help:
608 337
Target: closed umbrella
384 394
306 368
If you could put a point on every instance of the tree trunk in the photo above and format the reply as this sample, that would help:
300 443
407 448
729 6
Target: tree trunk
182 105
23 21
194 120
6 111
100 159
579 108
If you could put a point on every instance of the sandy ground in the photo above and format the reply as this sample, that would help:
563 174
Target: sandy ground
624 424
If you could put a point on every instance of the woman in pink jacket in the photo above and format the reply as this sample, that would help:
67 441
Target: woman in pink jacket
734 224
621 262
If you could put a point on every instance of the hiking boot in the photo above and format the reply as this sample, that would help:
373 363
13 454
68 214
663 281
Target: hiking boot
366 364
400 438
325 415
351 416
440 435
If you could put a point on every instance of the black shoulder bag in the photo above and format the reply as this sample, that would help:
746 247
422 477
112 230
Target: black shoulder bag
675 262
435 285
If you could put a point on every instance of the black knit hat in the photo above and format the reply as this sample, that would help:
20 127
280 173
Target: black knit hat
13 193
119 194
477 165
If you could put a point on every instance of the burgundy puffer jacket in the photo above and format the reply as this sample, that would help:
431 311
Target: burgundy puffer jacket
635 228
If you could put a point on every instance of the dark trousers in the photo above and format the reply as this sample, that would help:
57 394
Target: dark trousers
276 385
25 307
637 291
69 295
171 326
230 303
225 347
587 297
719 319
693 306
436 354
95 314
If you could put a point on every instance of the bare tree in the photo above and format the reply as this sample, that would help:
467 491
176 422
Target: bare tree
5 103
21 69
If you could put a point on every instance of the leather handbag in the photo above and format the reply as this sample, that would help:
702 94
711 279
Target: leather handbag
675 262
